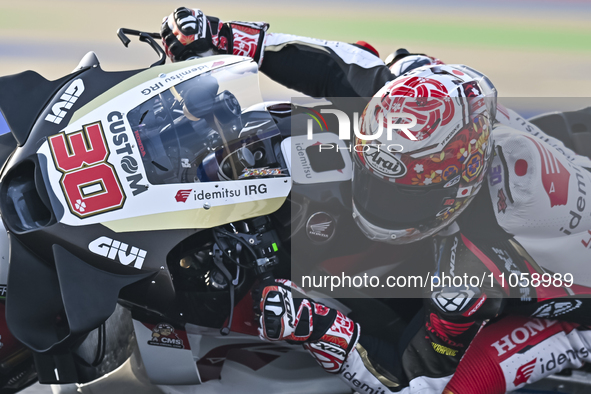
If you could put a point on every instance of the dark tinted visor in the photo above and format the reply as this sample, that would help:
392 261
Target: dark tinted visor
395 206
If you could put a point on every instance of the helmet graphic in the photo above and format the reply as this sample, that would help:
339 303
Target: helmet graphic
422 152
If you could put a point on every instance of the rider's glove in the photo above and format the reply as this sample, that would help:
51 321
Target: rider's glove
327 333
188 33
248 39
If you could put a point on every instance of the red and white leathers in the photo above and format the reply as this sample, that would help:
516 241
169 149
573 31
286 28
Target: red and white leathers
546 205
506 355
513 351
484 239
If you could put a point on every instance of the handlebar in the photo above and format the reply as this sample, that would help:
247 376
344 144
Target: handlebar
144 37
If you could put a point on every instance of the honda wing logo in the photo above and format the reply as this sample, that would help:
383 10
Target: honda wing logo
68 99
115 250
320 227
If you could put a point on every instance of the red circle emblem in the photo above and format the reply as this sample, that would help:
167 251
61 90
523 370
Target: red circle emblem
520 167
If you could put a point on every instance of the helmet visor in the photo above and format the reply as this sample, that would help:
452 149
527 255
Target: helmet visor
395 206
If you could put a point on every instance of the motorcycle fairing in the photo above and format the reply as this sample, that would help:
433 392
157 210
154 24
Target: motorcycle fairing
137 204
23 110
86 295
156 358
19 107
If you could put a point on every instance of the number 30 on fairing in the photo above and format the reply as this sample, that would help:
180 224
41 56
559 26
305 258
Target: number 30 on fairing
89 182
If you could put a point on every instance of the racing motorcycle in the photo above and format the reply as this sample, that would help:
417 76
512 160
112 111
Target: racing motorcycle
141 208
165 191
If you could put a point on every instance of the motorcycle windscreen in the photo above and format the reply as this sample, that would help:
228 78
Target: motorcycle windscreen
204 130
190 146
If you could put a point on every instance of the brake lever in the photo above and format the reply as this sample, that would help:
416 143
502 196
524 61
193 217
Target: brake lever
219 263
144 37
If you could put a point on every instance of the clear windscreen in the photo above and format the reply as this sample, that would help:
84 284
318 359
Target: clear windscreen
208 128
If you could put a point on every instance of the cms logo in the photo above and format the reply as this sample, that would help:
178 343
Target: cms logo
116 250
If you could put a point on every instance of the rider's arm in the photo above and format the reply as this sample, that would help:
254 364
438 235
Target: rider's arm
322 68
512 119
516 350
314 67
453 312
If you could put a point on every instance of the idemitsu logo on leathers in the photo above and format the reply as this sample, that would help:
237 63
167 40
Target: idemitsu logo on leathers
579 204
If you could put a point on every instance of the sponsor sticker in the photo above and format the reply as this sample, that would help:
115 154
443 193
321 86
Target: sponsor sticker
320 227
384 163
163 334
118 251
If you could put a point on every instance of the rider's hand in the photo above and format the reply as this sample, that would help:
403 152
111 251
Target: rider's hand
328 334
186 33
282 316
189 33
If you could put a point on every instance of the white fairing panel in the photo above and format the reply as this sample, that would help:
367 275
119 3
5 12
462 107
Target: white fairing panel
158 353
247 364
202 361
103 168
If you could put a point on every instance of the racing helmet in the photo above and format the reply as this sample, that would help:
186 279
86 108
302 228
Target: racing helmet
422 152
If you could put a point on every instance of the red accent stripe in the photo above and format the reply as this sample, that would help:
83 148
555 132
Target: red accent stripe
476 306
445 327
487 262
503 110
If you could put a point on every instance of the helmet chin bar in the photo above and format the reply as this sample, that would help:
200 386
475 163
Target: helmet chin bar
404 236
380 234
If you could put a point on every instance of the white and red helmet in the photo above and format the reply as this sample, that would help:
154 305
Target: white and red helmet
424 153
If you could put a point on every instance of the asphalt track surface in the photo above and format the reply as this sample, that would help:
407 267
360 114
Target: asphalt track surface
529 49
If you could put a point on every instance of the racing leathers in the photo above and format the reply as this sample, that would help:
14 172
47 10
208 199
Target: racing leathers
532 208
528 218
514 350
